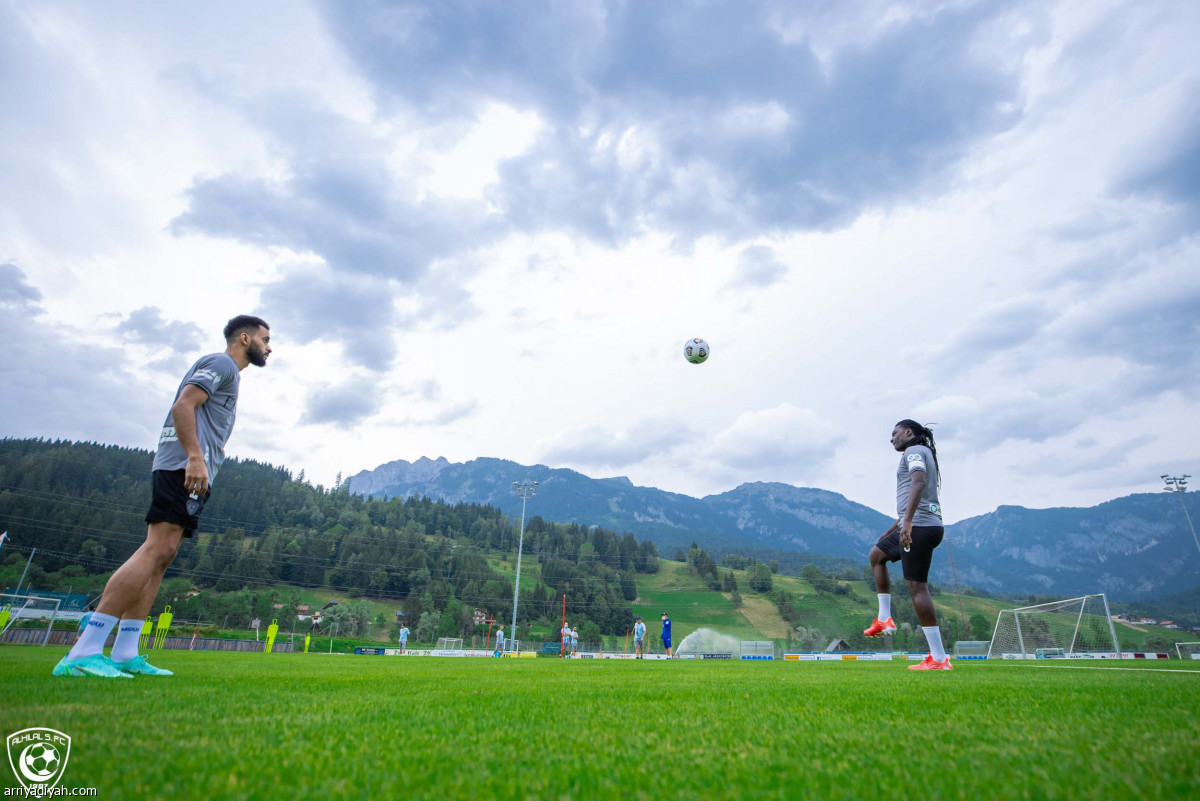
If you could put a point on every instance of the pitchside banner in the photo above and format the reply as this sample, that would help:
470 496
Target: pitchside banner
867 657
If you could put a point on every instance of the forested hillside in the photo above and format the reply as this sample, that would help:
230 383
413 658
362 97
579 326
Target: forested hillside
82 506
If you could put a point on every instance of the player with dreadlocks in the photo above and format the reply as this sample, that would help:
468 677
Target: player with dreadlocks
912 538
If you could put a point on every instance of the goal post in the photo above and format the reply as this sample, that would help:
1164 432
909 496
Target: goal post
18 607
1187 650
1060 629
449 644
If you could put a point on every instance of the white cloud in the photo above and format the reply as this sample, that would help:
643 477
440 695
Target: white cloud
980 215
468 167
783 441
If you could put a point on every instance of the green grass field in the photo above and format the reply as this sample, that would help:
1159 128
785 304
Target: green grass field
257 726
693 605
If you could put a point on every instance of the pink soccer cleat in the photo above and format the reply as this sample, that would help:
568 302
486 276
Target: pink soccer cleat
880 627
929 663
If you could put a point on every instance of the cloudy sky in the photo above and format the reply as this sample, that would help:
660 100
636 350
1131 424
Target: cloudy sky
486 229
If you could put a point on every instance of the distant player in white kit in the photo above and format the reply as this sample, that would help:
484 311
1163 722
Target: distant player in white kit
639 638
566 639
403 638
499 642
574 640
912 538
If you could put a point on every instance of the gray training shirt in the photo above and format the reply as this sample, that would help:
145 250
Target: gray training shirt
218 375
929 511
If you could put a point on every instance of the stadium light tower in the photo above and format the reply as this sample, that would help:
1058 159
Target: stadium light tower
524 492
1179 484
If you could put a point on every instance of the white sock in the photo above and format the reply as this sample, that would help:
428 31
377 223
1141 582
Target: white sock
885 605
126 646
933 636
95 634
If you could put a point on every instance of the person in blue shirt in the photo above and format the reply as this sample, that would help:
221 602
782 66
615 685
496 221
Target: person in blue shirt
639 638
499 642
84 618
403 638
666 635
566 640
574 640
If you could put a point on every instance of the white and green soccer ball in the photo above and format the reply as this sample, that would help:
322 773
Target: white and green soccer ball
695 350
41 761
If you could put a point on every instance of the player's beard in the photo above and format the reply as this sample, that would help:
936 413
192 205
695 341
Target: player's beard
256 356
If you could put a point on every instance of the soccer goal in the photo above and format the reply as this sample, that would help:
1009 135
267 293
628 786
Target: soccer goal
449 644
1188 650
1076 627
15 607
971 649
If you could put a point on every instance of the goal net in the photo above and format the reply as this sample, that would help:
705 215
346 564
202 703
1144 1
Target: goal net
1060 629
29 618
449 644
1188 650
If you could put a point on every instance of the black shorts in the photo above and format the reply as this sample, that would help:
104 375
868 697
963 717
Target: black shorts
916 562
172 503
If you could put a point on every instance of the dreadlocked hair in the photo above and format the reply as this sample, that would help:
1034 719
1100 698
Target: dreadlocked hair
923 435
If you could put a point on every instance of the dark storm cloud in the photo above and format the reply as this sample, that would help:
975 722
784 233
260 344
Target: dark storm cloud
994 331
698 119
348 214
745 131
147 326
343 405
316 303
56 387
342 201
1173 174
15 293
1140 327
1153 325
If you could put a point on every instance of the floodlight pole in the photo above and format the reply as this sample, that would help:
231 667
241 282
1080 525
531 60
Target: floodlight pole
1179 484
524 492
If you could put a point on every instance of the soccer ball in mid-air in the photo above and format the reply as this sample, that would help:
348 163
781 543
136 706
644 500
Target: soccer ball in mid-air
41 760
695 350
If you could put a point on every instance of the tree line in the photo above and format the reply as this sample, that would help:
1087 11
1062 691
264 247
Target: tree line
82 505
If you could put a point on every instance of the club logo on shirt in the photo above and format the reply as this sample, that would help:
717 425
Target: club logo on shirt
205 374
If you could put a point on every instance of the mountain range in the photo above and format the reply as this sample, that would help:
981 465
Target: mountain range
1135 547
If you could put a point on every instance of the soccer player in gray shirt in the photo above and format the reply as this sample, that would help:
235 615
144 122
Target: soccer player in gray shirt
190 451
912 538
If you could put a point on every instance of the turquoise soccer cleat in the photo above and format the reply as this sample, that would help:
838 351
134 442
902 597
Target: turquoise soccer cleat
139 666
97 665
